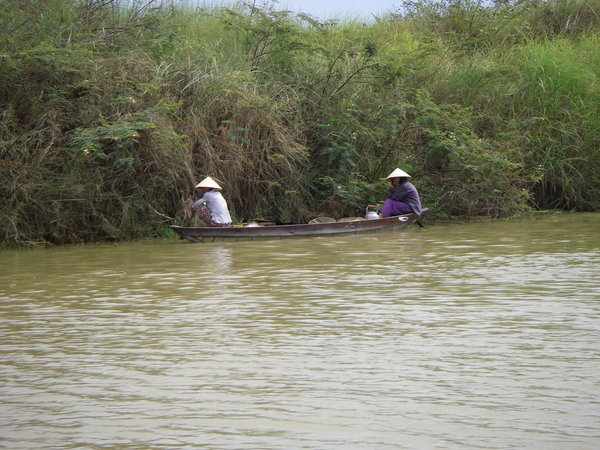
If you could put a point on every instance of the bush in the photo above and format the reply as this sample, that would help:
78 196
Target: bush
112 111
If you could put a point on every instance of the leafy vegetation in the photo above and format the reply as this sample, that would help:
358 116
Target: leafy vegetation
111 111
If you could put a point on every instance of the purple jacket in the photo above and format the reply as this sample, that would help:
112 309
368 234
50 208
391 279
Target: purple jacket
407 193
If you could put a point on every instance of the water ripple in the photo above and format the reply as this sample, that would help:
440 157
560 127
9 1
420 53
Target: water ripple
462 336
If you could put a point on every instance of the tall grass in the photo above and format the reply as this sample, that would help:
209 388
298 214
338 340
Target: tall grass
541 98
111 111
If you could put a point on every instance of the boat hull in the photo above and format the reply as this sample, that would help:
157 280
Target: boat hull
209 234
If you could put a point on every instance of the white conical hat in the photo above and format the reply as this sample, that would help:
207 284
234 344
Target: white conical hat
399 173
208 182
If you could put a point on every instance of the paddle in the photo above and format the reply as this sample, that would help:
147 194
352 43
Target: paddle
418 221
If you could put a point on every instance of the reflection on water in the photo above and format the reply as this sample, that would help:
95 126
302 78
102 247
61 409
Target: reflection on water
480 335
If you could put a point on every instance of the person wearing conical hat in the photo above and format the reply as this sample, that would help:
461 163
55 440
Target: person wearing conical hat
211 207
403 197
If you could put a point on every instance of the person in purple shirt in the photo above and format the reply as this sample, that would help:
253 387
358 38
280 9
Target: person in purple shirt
403 197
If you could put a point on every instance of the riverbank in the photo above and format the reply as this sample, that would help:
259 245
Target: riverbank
112 113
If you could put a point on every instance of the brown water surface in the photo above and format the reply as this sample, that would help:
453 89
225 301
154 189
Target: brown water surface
481 335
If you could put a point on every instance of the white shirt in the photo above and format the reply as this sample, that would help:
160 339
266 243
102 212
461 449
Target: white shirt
217 205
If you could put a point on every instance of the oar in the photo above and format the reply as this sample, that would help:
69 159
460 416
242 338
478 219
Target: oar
418 221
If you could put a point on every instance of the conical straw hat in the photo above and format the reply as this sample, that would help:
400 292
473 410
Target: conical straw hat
399 173
208 182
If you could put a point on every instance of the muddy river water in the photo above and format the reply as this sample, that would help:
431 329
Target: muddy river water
469 335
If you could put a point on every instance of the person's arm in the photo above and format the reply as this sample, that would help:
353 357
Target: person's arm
197 203
399 193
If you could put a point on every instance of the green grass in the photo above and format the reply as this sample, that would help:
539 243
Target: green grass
110 113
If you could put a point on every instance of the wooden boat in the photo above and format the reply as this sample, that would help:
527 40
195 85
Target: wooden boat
209 234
